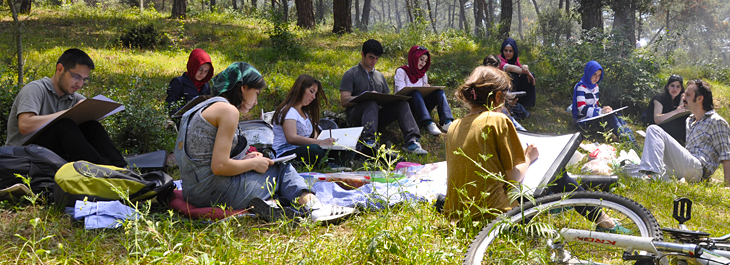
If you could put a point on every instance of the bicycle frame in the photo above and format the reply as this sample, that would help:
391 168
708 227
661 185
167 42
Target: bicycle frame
695 252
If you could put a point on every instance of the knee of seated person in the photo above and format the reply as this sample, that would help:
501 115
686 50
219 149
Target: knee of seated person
91 124
654 129
369 104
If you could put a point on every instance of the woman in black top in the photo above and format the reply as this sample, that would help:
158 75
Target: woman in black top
663 108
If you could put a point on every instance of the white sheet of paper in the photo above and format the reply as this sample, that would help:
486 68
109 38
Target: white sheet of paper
550 148
345 138
602 115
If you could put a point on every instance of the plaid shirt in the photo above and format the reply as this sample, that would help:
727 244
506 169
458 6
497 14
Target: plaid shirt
709 141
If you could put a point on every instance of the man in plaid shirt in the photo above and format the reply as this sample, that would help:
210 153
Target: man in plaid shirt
708 141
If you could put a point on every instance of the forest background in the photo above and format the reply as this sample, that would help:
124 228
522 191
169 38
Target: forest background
138 46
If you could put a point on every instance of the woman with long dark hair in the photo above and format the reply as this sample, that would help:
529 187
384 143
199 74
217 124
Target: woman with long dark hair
665 105
296 123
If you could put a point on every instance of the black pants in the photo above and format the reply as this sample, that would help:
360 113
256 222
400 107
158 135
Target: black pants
371 116
521 83
87 141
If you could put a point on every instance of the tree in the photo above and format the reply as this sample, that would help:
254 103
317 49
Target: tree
624 21
590 14
179 9
430 16
320 11
462 16
505 19
366 5
25 6
305 13
18 34
342 16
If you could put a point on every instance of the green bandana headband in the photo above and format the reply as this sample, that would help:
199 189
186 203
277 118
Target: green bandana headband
237 74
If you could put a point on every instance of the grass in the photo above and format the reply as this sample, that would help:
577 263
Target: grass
407 234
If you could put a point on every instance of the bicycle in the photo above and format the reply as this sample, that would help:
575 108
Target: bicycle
548 231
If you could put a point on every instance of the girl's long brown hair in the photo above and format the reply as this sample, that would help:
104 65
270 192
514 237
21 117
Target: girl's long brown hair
296 94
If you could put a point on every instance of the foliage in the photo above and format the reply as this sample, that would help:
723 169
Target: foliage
552 25
144 36
629 75
142 126
281 36
7 95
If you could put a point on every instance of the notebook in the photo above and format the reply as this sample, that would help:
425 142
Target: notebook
425 90
555 152
345 138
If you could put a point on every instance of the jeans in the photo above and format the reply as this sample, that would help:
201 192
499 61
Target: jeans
314 154
664 155
371 116
87 141
421 107
615 123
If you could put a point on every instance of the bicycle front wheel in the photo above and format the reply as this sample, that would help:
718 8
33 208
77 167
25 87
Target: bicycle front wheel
530 234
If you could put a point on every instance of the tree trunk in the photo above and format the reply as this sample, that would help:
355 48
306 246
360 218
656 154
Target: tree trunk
357 13
25 6
537 10
389 18
430 17
305 13
179 9
342 16
624 21
477 17
519 18
18 34
408 11
254 5
560 4
234 2
568 31
490 9
462 16
505 19
320 11
366 5
591 15
285 10
397 15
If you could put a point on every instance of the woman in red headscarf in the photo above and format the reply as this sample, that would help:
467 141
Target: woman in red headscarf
414 75
192 83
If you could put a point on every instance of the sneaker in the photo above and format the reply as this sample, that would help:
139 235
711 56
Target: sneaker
446 126
617 229
329 214
432 129
415 148
269 213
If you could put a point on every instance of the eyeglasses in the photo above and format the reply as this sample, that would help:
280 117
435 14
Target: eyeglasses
422 48
77 77
698 82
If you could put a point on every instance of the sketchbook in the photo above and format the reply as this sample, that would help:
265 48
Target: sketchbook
425 90
602 115
192 103
555 152
96 108
380 98
682 115
345 138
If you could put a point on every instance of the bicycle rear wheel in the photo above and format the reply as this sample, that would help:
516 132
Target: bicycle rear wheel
530 234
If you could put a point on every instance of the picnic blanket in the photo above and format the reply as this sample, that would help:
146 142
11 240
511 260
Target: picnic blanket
422 183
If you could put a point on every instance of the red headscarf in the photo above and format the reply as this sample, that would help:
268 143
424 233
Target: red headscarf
412 67
197 58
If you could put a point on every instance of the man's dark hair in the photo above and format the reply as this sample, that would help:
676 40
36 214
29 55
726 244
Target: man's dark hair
72 57
372 46
703 89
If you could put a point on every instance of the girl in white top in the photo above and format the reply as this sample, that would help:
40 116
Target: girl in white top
414 74
296 123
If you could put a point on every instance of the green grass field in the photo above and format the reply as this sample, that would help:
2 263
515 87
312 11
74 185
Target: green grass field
413 234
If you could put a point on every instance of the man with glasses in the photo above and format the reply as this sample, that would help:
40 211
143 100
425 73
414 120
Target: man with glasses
364 78
708 141
41 101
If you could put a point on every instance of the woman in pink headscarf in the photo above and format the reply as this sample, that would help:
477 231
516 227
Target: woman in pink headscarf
192 83
413 75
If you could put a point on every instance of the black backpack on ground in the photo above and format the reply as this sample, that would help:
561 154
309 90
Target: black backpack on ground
34 161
